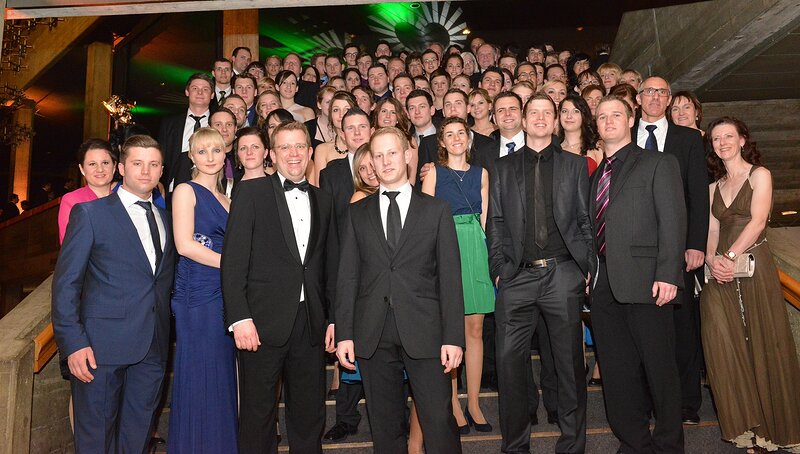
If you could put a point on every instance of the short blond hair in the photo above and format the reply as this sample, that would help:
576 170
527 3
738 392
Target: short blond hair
389 130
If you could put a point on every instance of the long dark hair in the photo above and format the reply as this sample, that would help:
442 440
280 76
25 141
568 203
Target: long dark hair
750 152
588 132
403 123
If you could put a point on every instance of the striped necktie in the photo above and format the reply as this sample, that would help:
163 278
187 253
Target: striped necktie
601 203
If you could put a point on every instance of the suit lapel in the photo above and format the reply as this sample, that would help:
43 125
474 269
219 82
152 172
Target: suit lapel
315 226
519 173
128 230
558 179
412 216
167 237
285 217
374 213
619 179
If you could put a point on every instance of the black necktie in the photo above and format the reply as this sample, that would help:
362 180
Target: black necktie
196 119
221 96
393 224
652 143
288 185
154 235
539 218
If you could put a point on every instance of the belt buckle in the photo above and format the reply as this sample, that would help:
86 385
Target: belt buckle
541 263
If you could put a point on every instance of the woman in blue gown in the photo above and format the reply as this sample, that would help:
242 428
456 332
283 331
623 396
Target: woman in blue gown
204 409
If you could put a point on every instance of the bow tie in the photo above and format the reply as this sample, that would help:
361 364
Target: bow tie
288 185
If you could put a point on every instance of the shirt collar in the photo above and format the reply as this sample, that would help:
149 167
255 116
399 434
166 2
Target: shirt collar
518 139
623 152
427 132
283 178
404 190
129 199
546 153
661 123
205 114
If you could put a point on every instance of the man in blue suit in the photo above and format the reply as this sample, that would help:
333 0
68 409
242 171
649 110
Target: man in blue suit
110 309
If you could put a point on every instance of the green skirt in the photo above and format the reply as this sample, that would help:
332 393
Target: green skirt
478 288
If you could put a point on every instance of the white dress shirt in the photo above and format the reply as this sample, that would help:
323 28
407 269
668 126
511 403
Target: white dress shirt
519 142
660 132
188 128
217 91
300 210
403 201
139 218
431 131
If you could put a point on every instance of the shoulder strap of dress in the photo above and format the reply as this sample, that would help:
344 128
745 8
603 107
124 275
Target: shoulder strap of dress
752 169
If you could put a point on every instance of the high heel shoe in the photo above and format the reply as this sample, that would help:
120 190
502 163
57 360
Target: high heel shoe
464 430
485 427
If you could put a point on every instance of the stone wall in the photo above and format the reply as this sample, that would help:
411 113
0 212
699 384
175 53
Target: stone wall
50 429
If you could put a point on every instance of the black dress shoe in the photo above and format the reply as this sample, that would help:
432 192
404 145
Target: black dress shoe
690 417
534 420
463 430
485 427
332 393
339 432
552 418
595 382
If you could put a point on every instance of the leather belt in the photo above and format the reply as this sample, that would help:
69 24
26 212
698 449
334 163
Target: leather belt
545 263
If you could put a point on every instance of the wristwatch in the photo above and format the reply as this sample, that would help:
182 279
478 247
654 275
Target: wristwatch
730 255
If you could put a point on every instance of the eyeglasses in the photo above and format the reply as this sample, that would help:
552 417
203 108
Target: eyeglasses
663 92
350 54
298 147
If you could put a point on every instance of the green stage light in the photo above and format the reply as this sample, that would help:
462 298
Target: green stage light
165 73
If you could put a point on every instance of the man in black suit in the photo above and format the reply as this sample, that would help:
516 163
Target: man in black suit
245 85
241 57
654 132
639 222
278 281
509 136
400 303
540 254
176 130
222 71
337 179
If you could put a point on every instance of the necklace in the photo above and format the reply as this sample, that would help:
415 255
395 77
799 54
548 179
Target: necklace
336 147
460 177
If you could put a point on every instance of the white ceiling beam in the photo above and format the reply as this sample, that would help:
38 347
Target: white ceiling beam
26 9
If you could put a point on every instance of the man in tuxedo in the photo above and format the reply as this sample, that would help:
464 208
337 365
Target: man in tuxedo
278 281
640 230
400 302
337 180
241 57
540 254
653 132
176 130
111 296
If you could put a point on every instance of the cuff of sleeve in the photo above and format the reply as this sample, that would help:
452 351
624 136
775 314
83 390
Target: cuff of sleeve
230 328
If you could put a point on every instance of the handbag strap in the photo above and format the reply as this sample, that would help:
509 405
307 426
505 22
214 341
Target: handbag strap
458 183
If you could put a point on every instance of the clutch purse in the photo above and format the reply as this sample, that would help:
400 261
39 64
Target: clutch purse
744 266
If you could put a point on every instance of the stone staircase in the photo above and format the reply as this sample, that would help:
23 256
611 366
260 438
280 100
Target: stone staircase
703 438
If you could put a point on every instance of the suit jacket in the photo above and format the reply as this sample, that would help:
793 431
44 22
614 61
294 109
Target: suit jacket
105 294
485 150
421 280
177 165
505 224
645 224
262 271
686 145
337 179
